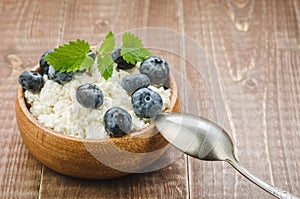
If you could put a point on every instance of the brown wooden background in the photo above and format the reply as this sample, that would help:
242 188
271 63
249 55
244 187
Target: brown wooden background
255 45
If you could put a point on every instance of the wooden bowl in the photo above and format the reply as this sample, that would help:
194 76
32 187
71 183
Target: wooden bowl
92 158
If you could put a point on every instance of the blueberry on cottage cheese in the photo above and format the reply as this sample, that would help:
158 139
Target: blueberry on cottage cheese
118 59
131 83
59 77
44 66
117 122
156 68
89 96
93 55
146 103
31 81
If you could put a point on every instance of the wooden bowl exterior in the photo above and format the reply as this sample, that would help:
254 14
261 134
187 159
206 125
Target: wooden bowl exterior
76 157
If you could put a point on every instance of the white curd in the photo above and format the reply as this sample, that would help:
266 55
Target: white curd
57 108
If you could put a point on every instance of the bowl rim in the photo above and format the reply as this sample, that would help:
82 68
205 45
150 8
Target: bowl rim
136 134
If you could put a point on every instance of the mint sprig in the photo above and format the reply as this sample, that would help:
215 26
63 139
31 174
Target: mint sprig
104 62
108 44
105 66
132 49
70 57
75 55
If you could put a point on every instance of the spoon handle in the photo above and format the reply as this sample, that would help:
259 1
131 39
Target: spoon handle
275 191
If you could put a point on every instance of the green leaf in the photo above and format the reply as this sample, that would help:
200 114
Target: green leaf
108 44
71 57
105 66
104 61
74 56
132 49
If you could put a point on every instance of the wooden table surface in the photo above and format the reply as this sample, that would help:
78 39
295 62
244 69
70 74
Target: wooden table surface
254 48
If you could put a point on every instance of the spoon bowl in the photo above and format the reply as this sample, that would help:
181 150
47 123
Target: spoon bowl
203 139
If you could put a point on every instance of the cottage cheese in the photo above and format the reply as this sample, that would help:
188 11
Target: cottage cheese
57 108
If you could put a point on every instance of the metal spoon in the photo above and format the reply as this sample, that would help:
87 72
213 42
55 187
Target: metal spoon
205 140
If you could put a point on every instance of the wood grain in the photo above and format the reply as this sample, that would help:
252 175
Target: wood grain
112 16
255 49
251 82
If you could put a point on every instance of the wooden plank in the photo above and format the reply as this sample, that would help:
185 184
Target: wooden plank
24 33
255 48
240 37
286 67
156 184
91 20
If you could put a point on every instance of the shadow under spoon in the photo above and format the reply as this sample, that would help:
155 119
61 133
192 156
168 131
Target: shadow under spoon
204 140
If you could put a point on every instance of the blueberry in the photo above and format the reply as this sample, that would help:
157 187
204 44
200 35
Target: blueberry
131 83
79 72
89 96
31 81
60 77
44 66
166 84
117 122
156 68
146 103
93 55
118 59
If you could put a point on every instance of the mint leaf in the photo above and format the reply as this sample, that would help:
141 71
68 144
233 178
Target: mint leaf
70 57
108 44
74 56
105 66
104 61
132 49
